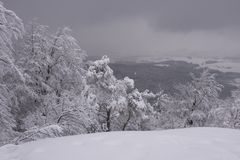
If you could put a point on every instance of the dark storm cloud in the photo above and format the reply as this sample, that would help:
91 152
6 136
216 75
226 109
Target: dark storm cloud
161 14
142 27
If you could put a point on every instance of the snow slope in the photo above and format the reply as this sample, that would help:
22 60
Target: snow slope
178 144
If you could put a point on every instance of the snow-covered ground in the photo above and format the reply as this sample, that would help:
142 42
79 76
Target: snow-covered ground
221 64
178 144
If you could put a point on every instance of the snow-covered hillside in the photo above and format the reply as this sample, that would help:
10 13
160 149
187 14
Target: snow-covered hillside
178 144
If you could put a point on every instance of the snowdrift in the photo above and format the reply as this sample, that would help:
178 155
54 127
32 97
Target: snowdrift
178 144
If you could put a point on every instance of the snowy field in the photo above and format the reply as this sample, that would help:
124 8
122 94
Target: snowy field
178 144
221 64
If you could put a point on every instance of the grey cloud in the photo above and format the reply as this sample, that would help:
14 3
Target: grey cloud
142 27
198 15
161 14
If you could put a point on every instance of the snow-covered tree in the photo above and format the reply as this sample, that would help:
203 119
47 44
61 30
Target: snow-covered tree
220 115
51 61
110 92
7 121
10 27
66 62
119 105
139 111
198 97
53 66
232 112
227 113
168 111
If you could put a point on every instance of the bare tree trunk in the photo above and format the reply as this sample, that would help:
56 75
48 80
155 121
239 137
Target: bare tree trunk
108 120
127 121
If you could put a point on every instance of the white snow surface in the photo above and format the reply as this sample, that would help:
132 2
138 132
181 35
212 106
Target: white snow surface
177 144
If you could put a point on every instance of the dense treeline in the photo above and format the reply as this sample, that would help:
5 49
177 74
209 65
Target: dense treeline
48 89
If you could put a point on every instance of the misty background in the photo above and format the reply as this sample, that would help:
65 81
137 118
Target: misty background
129 28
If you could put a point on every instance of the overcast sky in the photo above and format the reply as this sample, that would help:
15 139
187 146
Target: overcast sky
122 28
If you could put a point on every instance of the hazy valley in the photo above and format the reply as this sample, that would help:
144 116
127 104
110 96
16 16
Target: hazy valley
164 74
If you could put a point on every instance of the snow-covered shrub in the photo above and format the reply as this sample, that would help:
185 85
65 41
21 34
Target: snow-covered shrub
36 133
